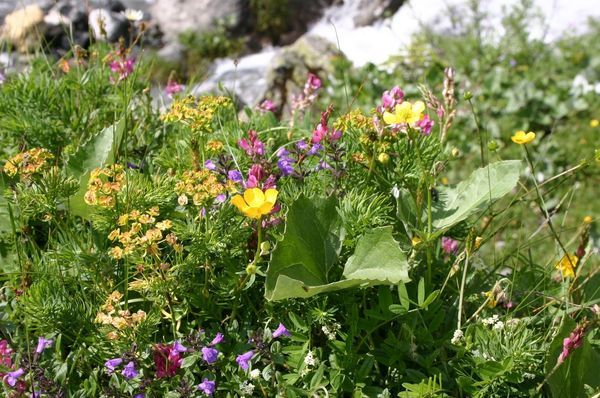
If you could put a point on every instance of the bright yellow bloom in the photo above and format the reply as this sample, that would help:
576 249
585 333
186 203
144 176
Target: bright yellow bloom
415 241
567 264
594 123
405 113
587 220
255 203
522 137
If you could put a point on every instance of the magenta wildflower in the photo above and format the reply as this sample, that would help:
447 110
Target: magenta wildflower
207 387
425 124
42 344
218 339
129 371
267 106
11 378
210 355
243 360
449 245
572 342
140 395
281 331
122 67
173 88
390 98
5 354
112 364
253 145
166 360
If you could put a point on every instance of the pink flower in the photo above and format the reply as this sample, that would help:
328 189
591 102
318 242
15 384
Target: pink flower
122 67
313 83
390 98
572 342
267 106
167 360
425 124
5 354
173 88
253 146
449 245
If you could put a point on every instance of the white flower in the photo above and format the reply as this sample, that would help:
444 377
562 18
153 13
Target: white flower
182 200
133 15
246 388
458 335
328 332
490 321
310 359
254 374
528 375
498 325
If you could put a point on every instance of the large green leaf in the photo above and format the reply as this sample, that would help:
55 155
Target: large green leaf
578 370
484 186
301 261
97 152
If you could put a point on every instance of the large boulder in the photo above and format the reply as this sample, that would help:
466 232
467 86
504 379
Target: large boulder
24 28
374 10
178 16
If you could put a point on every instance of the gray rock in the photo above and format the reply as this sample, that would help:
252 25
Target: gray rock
374 10
113 23
178 16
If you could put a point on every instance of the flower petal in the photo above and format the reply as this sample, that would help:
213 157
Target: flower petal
265 208
240 203
254 197
389 118
271 195
418 107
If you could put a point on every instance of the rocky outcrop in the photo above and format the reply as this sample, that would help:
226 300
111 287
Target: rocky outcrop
178 16
24 28
374 10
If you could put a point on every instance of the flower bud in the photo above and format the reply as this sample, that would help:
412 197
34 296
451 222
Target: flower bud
467 95
455 152
251 269
383 158
265 247
492 145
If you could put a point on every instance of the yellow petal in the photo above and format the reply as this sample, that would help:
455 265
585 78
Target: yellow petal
418 107
265 208
240 203
252 212
389 118
271 195
254 197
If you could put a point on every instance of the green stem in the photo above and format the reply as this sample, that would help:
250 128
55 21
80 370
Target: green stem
479 133
462 291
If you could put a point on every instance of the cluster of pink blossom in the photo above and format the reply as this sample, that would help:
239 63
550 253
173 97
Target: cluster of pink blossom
572 342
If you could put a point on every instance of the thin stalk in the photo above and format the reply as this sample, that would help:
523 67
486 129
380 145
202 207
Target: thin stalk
479 132
462 291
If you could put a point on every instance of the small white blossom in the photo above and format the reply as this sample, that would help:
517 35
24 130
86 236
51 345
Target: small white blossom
528 375
254 374
490 321
310 359
458 335
246 388
182 200
328 332
133 15
498 325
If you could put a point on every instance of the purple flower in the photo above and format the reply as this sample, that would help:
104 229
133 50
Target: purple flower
42 344
210 355
391 98
312 83
220 198
253 146
244 359
178 347
140 395
302 145
285 165
281 331
315 149
267 106
173 88
235 176
210 165
449 245
111 364
129 371
218 339
207 386
11 377
123 67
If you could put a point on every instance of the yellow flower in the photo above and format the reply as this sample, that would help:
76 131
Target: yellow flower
587 220
567 264
594 123
415 241
522 137
255 203
405 113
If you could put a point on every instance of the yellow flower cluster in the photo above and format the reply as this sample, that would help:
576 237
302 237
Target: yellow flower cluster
111 314
104 184
197 113
353 120
25 164
567 265
140 233
213 146
202 186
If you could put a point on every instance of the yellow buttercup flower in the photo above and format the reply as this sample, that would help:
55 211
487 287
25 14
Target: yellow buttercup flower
594 123
255 203
522 137
587 220
405 113
567 264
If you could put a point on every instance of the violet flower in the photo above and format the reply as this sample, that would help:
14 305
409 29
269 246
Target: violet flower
207 387
235 176
281 331
5 354
210 355
42 344
218 339
425 125
178 347
243 360
112 364
210 165
11 378
253 145
173 88
129 371
267 106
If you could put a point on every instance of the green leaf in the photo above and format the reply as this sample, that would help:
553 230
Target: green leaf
397 309
580 367
310 247
484 186
431 298
403 295
97 152
421 292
